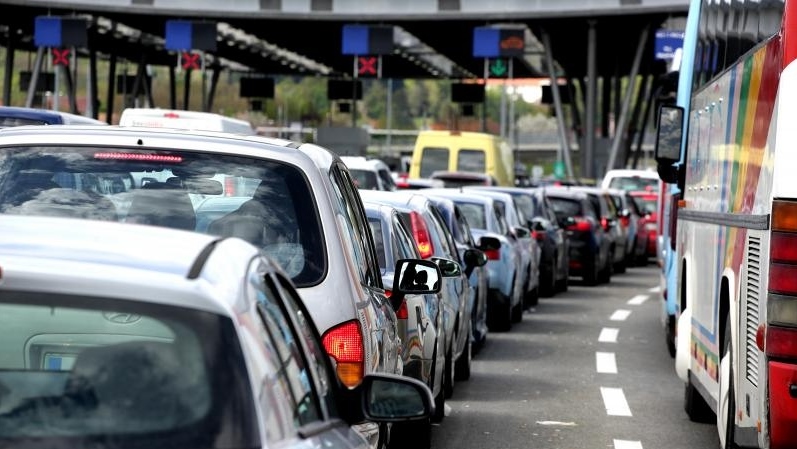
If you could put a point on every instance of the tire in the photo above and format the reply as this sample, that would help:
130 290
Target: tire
462 366
669 335
591 272
414 434
448 376
726 416
695 406
517 311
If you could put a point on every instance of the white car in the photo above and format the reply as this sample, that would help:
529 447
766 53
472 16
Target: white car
124 336
370 174
297 202
631 179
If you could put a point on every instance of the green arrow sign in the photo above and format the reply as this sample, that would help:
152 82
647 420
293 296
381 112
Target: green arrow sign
499 68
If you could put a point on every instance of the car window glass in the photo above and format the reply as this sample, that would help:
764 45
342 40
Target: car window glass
403 240
318 359
364 179
68 363
379 241
433 159
498 208
363 231
387 179
525 206
449 246
293 374
349 221
474 214
464 227
470 160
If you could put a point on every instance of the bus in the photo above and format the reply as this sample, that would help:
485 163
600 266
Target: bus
736 235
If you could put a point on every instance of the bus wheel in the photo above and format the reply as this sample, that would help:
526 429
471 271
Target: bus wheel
695 406
727 401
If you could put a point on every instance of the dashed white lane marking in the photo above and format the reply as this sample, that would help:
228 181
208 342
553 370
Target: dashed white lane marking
620 315
614 401
557 423
623 444
605 362
637 300
655 289
608 335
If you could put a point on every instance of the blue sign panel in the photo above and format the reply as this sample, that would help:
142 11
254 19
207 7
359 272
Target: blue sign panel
355 40
178 35
486 42
52 31
667 42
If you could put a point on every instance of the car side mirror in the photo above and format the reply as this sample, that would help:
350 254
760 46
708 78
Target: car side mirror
489 243
538 224
415 276
521 232
448 267
475 258
387 397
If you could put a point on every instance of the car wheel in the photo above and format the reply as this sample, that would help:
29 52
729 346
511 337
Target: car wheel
415 434
591 272
462 367
669 335
695 406
448 380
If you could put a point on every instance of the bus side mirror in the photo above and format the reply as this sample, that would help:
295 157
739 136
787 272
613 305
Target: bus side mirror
669 135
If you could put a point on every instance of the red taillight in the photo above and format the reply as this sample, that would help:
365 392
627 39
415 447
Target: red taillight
625 221
345 344
229 186
171 115
581 225
388 293
402 312
605 224
493 254
782 412
421 235
538 236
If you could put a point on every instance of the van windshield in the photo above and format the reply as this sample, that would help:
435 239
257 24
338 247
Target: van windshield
433 159
471 160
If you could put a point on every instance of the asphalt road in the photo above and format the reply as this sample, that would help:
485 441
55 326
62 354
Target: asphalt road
585 369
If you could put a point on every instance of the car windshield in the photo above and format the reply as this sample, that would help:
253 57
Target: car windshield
268 203
365 179
82 371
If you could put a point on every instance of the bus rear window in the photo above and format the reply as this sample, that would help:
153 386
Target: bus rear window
433 159
471 160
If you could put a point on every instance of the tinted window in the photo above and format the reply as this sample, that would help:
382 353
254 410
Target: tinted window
471 160
564 207
168 374
432 160
525 204
387 179
266 202
379 241
474 214
6 122
646 204
364 179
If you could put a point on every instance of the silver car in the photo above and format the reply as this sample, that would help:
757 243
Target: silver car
124 336
297 202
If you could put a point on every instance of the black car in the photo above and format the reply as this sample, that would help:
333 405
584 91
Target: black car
589 243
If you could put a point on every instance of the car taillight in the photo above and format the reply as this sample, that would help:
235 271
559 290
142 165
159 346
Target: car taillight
493 254
581 225
538 236
421 235
605 224
625 221
344 343
229 186
402 313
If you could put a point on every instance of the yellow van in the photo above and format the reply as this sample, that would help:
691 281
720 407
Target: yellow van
462 151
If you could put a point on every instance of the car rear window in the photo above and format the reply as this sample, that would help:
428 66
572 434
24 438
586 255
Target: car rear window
266 202
564 207
433 159
646 204
634 183
86 371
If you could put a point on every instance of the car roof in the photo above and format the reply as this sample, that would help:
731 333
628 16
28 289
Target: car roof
363 163
458 194
47 115
121 260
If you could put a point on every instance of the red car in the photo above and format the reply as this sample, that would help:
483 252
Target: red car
646 203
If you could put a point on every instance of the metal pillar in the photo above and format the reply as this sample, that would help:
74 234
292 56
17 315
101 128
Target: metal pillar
606 105
92 100
622 121
564 143
111 89
187 89
633 124
588 158
389 116
654 87
9 70
34 77
172 88
70 86
214 82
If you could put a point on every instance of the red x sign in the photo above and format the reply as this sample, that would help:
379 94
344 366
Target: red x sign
366 65
190 60
61 56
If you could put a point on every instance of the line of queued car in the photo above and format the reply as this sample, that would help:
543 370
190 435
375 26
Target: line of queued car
255 292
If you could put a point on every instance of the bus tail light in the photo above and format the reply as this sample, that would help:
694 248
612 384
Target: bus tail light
782 410
344 343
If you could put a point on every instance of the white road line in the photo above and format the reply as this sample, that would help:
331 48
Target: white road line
623 444
620 315
605 362
655 289
614 401
638 299
608 335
